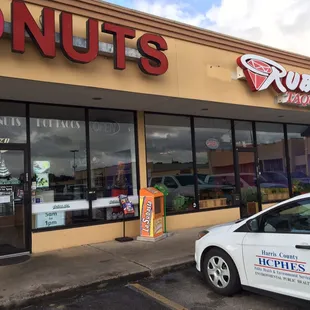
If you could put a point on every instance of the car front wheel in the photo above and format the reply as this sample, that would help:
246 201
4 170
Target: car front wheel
220 272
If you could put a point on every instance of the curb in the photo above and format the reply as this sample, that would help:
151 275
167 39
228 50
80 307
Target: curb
67 292
164 270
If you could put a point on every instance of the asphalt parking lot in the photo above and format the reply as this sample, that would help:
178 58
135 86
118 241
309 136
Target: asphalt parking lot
178 290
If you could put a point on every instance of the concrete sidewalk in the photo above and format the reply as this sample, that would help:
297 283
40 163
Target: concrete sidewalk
93 266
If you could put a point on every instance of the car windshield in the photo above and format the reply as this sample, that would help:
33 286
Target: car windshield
186 180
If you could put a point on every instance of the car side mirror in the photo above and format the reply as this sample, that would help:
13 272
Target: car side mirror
253 225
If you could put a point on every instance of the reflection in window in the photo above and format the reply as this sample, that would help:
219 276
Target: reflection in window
294 218
112 159
169 156
58 159
244 134
215 164
299 150
271 154
12 123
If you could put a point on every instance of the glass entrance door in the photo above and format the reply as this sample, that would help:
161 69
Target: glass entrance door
248 172
13 190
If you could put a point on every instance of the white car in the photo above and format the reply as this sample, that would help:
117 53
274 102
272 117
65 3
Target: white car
269 251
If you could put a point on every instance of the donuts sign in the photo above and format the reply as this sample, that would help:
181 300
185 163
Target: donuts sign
55 29
262 73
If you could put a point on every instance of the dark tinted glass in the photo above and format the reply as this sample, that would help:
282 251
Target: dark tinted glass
169 155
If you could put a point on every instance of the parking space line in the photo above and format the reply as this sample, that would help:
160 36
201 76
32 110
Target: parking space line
159 298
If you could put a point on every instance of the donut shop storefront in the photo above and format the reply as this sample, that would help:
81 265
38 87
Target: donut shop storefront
99 99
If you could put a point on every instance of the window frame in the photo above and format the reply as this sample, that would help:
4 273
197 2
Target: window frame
90 221
193 156
192 118
89 168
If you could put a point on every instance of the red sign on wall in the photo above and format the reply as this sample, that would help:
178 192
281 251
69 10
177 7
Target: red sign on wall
151 47
262 73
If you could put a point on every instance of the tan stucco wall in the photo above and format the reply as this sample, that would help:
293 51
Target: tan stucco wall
60 239
267 205
191 220
195 71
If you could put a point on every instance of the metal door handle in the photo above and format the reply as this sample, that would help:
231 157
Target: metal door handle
303 247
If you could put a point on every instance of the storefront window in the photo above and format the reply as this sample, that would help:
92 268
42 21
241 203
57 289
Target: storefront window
58 165
215 165
271 153
12 123
170 160
299 150
244 134
113 162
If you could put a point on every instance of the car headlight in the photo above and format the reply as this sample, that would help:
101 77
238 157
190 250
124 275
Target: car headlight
202 233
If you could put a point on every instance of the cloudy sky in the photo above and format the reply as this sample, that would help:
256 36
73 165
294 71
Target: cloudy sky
283 24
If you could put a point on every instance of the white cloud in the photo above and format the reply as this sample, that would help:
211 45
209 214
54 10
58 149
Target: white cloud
283 24
174 11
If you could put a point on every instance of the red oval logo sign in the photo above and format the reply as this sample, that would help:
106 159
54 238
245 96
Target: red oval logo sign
212 144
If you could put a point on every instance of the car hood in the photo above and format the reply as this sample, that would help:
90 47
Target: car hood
223 227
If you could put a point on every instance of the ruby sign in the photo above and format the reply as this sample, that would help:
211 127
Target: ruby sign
150 46
261 73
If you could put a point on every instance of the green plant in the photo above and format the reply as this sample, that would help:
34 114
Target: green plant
264 194
306 188
248 195
178 203
297 187
266 191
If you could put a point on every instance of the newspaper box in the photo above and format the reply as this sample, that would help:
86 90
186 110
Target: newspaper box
151 214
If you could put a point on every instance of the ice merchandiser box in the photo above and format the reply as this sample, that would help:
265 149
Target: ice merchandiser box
151 214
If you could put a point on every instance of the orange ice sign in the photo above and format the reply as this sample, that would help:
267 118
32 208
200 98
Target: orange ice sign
151 214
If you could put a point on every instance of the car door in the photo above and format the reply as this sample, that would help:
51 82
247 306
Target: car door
277 256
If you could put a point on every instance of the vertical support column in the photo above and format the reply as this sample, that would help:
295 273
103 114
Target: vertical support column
193 137
289 157
306 140
29 218
88 171
142 149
